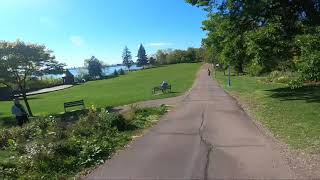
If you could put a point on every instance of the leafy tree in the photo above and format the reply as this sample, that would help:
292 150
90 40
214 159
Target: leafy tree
152 61
94 66
142 57
179 56
191 55
161 56
19 61
308 61
52 67
127 58
263 36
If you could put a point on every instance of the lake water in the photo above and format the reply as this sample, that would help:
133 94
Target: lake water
106 71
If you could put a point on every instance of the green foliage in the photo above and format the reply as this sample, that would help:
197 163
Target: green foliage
42 154
94 66
33 84
19 61
282 77
118 121
226 41
254 69
147 116
152 60
268 48
264 36
309 55
169 56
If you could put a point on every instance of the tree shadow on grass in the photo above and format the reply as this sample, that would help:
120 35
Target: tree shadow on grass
20 98
311 94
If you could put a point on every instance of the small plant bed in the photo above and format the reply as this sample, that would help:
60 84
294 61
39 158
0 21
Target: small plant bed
62 147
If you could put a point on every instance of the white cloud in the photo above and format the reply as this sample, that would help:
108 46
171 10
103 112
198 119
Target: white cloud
77 41
159 44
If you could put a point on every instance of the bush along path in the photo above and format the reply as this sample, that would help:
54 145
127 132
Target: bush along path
51 148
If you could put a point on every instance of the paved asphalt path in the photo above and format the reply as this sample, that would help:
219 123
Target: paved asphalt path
51 89
206 136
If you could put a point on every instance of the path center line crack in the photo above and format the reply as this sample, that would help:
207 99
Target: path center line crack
207 143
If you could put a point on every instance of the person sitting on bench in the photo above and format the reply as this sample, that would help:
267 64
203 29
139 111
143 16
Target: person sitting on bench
164 86
20 113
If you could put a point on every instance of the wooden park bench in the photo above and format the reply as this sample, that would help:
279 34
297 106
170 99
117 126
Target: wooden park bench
73 104
159 88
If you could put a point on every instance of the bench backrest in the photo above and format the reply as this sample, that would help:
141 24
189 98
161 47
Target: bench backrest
74 103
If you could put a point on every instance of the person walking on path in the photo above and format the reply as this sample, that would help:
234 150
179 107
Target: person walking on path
209 72
19 111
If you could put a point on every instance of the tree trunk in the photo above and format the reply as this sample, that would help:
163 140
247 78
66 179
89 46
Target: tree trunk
239 68
24 95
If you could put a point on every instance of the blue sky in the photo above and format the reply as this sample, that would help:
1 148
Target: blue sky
78 29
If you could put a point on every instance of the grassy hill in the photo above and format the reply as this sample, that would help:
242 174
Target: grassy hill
130 88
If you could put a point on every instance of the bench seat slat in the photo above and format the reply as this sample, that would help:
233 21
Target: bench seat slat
159 88
73 104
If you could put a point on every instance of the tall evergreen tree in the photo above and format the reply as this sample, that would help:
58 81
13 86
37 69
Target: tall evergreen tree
127 58
142 57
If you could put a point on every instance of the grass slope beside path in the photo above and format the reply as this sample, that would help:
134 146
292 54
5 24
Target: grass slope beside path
133 87
291 115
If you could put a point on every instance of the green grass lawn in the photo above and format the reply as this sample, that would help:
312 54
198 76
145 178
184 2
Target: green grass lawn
291 115
136 86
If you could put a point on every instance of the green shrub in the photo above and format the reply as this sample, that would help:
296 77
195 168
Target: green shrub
254 69
308 62
118 121
5 135
44 83
44 154
281 77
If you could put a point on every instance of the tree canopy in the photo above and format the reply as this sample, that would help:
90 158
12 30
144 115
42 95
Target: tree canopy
265 35
170 56
94 66
152 60
20 61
